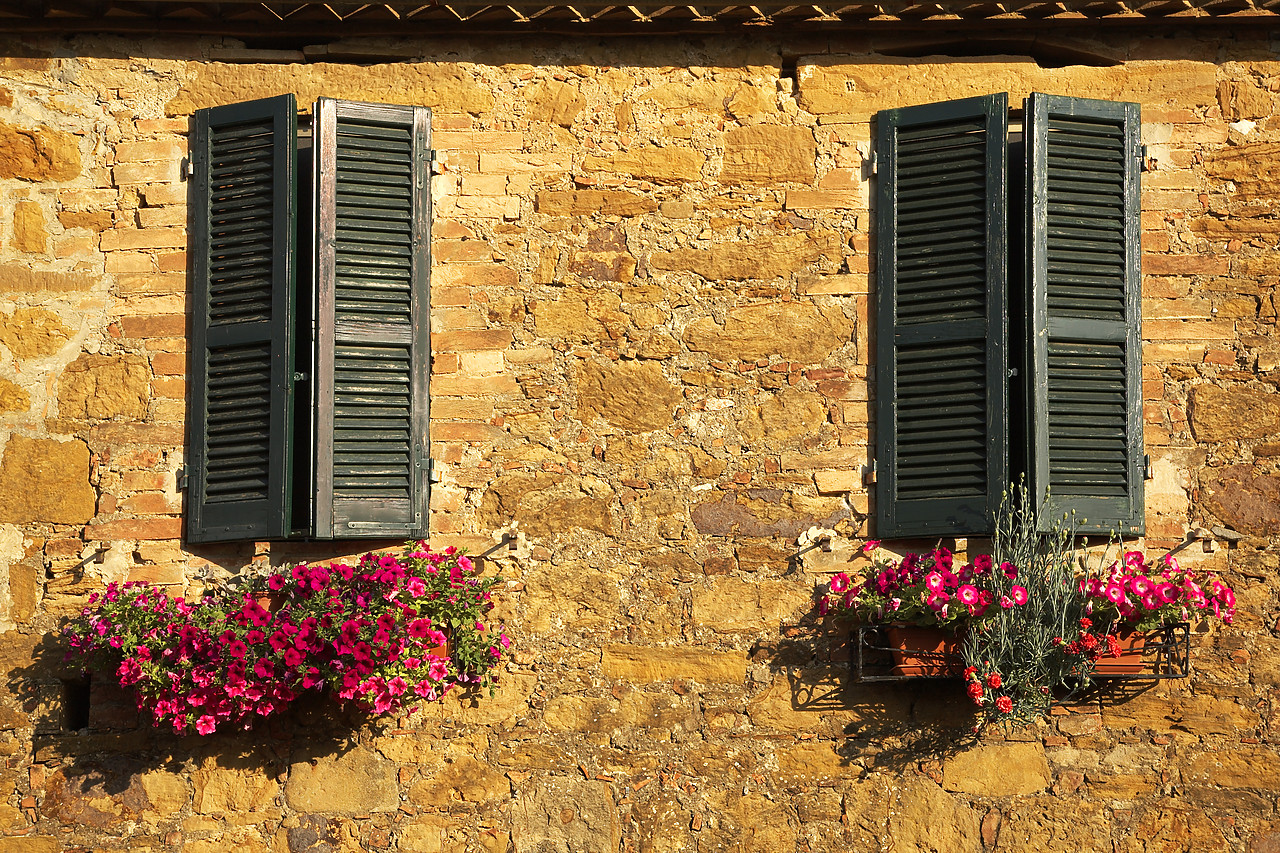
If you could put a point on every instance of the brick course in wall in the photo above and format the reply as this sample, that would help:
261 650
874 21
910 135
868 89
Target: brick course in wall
652 354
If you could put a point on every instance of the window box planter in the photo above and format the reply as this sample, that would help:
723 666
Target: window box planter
901 652
1161 653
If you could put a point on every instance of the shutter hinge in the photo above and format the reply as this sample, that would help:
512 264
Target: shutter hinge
1146 163
871 164
301 376
188 168
1147 472
869 474
434 157
433 476
181 479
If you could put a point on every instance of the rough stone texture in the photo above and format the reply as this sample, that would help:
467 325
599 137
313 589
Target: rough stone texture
21 279
34 844
581 316
45 481
829 85
350 783
914 824
784 420
1003 770
766 154
664 165
229 790
103 387
463 779
38 154
1244 499
32 332
554 102
566 816
764 258
1233 414
633 396
1240 99
731 604
764 513
603 202
544 504
1251 168
662 825
13 398
29 232
793 331
642 664
1037 824
442 86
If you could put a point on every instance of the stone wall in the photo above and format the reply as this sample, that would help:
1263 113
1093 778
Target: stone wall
651 355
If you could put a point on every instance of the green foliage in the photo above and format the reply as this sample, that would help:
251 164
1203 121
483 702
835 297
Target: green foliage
1043 646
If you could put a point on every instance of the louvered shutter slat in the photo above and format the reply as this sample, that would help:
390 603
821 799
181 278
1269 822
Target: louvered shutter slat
941 268
373 344
243 240
1083 257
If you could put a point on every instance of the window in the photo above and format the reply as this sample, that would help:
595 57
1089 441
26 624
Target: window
310 340
1008 313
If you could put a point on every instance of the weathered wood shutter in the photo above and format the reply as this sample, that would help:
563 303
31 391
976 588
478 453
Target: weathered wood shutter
941 268
243 237
373 336
1083 261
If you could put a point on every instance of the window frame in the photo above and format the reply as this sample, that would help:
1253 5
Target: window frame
1017 397
388 198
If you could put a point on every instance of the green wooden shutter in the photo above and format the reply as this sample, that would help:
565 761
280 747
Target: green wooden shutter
243 240
1083 258
373 338
941 268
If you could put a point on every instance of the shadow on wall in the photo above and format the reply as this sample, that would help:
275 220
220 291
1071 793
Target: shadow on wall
912 724
93 725
886 725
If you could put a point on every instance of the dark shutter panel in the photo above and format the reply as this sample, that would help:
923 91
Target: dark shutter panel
243 238
1083 255
941 267
373 337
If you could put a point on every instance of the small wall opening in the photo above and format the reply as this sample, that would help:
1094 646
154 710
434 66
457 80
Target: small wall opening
75 704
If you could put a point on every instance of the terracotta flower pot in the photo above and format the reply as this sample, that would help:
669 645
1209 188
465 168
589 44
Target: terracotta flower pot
1129 661
923 651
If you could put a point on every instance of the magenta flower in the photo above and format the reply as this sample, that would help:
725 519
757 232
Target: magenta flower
1018 594
1140 585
